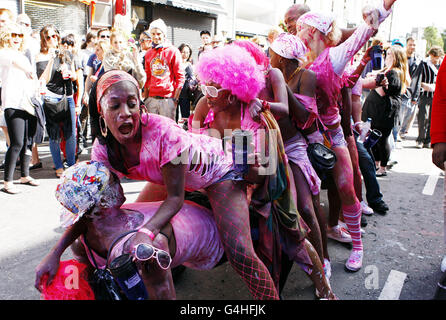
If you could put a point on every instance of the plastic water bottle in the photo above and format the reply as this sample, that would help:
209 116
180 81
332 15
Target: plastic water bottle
365 130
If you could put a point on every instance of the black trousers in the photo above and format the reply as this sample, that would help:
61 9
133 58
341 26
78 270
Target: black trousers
21 129
381 150
424 119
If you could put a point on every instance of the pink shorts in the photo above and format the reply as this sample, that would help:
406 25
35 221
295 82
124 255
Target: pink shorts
296 151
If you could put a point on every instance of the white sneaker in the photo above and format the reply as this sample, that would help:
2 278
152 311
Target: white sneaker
366 209
339 234
354 262
443 264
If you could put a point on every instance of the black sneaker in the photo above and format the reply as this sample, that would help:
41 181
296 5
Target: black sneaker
380 207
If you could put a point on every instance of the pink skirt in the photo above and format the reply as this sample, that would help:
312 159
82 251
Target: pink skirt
296 151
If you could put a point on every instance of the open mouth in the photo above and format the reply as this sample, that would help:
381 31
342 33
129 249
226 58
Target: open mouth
126 128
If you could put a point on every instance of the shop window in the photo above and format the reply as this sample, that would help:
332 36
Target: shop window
103 16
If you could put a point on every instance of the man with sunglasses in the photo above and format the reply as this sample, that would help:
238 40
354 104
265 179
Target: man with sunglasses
93 212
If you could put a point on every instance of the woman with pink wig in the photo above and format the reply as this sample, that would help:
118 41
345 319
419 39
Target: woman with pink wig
319 33
233 77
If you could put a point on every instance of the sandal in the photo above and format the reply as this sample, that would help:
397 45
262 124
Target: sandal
59 172
11 190
31 182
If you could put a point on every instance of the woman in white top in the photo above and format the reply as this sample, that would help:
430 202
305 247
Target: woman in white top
16 76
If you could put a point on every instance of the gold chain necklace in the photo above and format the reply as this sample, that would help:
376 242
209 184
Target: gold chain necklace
294 73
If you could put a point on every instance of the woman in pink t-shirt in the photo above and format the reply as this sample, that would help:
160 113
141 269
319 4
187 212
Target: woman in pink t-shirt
155 149
319 33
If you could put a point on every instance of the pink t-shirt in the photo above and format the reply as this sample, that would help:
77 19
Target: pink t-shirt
163 141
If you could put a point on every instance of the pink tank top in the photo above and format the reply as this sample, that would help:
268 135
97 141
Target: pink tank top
328 88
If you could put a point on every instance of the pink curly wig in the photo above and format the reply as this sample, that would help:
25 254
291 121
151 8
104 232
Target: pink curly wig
256 52
233 68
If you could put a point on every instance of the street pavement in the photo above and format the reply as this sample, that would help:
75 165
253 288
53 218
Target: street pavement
403 249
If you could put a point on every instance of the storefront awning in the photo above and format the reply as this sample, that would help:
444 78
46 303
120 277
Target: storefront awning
193 5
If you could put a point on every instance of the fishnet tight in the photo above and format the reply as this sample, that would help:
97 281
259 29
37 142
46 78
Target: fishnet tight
230 208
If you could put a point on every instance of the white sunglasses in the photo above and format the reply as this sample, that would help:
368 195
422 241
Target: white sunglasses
211 91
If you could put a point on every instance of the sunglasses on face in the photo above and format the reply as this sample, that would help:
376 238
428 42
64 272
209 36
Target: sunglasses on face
103 36
19 35
210 91
54 36
144 252
69 43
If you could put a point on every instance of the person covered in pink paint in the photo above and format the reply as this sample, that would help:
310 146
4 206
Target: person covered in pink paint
92 206
320 35
287 53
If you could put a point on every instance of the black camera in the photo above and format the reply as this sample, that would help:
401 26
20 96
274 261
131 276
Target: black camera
379 79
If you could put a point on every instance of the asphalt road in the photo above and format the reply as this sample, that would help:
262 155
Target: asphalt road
403 249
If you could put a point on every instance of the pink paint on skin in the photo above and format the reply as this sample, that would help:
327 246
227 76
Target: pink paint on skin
162 142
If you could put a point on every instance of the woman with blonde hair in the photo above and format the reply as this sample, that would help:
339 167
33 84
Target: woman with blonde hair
17 87
319 34
383 103
121 57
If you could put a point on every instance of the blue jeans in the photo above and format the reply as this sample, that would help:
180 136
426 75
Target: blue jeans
367 167
70 146
408 113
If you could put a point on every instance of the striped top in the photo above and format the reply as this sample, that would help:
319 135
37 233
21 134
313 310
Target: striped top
427 73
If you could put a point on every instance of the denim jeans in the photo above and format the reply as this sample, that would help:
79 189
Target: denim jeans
367 167
408 113
70 146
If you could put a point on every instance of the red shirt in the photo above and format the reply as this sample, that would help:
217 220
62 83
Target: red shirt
164 71
438 119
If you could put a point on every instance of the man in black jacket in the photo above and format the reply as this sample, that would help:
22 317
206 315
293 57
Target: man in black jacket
426 78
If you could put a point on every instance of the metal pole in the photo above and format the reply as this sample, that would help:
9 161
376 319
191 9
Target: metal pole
234 13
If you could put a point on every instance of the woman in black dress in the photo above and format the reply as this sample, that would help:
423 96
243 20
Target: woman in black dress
383 103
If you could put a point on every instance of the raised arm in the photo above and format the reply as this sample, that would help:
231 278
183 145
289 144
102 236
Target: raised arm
344 52
50 264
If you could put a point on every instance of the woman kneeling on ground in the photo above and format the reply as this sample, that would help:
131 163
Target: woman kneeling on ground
92 200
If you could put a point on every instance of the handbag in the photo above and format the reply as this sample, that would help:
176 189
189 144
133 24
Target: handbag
56 111
322 158
103 283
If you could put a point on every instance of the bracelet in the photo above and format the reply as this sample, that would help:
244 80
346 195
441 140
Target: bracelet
147 232
265 105
354 125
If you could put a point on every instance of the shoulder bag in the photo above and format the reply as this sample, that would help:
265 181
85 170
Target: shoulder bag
103 283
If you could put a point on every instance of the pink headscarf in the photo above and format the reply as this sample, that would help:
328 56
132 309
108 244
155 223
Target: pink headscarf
110 78
289 46
318 20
